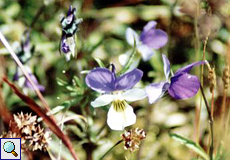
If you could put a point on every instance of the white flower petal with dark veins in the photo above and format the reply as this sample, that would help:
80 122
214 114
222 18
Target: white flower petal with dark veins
118 120
102 100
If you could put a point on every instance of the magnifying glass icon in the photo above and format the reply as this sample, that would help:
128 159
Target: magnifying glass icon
9 147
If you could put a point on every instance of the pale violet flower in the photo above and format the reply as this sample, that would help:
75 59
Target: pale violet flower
181 85
149 39
25 52
116 91
23 82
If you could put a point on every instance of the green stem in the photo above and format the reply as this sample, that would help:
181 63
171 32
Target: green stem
210 123
197 53
38 14
110 149
130 60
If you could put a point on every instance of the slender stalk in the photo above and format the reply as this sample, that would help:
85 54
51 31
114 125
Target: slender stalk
38 14
110 149
227 123
197 52
130 60
9 48
167 47
100 131
210 123
212 104
223 108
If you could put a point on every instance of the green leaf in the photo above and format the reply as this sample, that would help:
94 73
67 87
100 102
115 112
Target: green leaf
99 62
78 81
71 88
61 82
190 144
85 72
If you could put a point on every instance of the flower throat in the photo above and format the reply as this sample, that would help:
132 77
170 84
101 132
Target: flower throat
119 105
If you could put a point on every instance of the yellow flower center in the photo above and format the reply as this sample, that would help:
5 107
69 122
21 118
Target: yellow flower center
119 105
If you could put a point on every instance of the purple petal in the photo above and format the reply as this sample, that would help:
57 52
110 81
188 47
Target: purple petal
16 76
184 86
29 85
187 68
26 45
128 80
145 52
152 37
70 14
150 25
64 45
156 90
101 80
166 66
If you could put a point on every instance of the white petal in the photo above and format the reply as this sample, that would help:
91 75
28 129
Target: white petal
71 42
156 90
134 94
102 100
21 81
166 66
120 120
131 35
67 56
145 52
123 58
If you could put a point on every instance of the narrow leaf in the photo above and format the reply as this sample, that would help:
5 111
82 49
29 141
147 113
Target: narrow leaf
99 62
190 144
60 82
78 81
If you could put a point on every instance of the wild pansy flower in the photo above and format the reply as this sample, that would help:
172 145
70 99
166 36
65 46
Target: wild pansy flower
149 39
69 27
181 85
117 91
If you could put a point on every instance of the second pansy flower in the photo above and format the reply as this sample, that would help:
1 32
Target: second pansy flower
181 85
116 91
149 39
